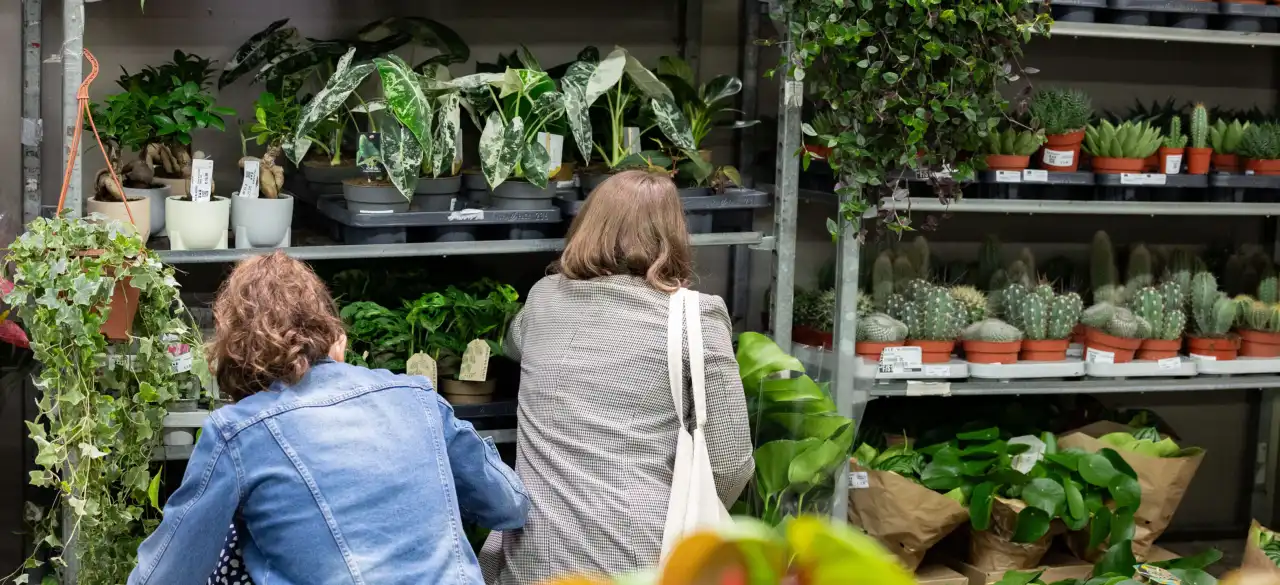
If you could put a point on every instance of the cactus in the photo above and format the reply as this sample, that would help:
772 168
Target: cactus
1004 303
988 261
882 280
881 328
1199 127
1019 273
1256 316
1128 140
1174 324
1175 138
972 301
1124 323
934 315
1148 304
1029 264
1098 315
815 309
1033 317
865 305
1267 291
919 255
903 272
1261 141
1211 311
1139 269
1044 291
1114 294
1102 262
1064 314
991 330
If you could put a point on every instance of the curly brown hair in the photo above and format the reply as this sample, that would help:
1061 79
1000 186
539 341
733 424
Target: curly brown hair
273 318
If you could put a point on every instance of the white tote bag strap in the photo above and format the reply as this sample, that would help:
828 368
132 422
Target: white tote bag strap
675 352
697 366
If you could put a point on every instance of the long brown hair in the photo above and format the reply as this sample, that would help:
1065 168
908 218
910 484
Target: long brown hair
274 319
632 223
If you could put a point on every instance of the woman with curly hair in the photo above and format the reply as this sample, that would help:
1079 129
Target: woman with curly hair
334 474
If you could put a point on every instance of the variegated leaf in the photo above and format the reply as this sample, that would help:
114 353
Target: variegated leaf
307 57
576 108
605 75
722 87
536 164
475 80
404 96
345 79
501 146
401 154
370 106
263 44
527 59
445 148
672 123
644 79
549 105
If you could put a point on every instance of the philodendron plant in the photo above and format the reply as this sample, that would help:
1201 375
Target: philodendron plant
516 107
417 119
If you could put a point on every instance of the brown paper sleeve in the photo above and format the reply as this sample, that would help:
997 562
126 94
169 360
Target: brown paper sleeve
907 517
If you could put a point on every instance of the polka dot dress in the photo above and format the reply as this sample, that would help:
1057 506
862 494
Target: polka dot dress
230 569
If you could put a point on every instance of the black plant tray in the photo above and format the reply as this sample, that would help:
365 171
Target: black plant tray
1080 3
1074 179
1233 181
438 226
1248 10
1178 181
1176 6
732 200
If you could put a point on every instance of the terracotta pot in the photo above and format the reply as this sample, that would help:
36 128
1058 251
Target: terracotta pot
1122 347
811 337
1221 348
1158 349
872 349
1170 160
1044 350
1259 344
989 352
933 352
1226 163
1114 166
123 307
1263 166
1007 162
1198 160
1151 163
1061 152
1077 333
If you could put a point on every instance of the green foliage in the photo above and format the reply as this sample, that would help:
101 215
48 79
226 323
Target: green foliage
517 107
888 71
1226 138
1266 541
1175 138
882 280
815 309
1128 140
1118 566
1199 127
98 417
1261 142
1146 441
1014 142
707 106
1061 110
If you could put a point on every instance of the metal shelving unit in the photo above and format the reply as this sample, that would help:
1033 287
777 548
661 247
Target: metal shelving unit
1099 30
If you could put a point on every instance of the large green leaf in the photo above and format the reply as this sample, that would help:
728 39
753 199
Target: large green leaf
1097 469
801 425
987 434
759 357
672 123
536 164
1200 560
773 461
403 92
1045 494
1099 528
1122 525
576 108
800 394
444 150
306 55
1125 491
719 88
980 505
501 146
345 79
401 154
942 474
1075 503
1033 524
645 80
817 464
605 75
273 40
1019 577
1118 560
676 67
1118 462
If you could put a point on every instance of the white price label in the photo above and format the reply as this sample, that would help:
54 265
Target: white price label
937 371
1204 358
202 179
1035 176
917 388
1008 177
1075 350
1059 158
377 211
1097 356
453 203
1144 179
249 187
900 359
1024 461
1172 363
858 480
467 215
1173 164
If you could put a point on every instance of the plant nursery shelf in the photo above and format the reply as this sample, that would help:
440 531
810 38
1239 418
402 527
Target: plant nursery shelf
1085 207
1088 386
1167 34
341 252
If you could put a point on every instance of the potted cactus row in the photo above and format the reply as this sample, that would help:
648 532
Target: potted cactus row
1121 149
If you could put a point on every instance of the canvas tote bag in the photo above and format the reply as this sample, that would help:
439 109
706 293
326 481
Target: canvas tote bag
694 502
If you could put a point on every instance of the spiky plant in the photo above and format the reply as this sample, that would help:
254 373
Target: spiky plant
1225 138
1268 291
898 306
1212 312
992 331
1060 110
882 279
1004 303
865 304
881 328
1127 140
1014 142
919 254
1020 273
815 309
1261 142
989 261
1174 138
1102 262
1028 260
1260 316
973 302
934 315
1117 321
1032 316
1064 314
1199 127
1139 270
903 272
1148 304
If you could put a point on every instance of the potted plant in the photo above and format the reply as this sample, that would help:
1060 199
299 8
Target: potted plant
263 218
447 325
934 320
1259 329
1199 153
1114 330
875 332
514 155
1212 315
814 316
1046 320
1172 148
824 123
991 341
1011 150
1225 139
1063 114
705 108
1120 149
1161 308
1260 147
440 185
124 121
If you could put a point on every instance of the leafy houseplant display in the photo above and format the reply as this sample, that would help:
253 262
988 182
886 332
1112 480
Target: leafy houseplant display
1260 146
1212 315
98 419
1172 149
1225 139
991 341
1113 330
1259 322
1011 150
1120 149
1064 114
1046 320
1118 566
1199 153
704 107
263 219
887 70
1161 308
801 441
934 320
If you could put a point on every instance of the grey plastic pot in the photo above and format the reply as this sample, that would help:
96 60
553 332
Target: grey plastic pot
1075 14
588 182
326 180
1195 21
262 222
1133 18
437 194
155 199
697 222
522 195
455 234
365 197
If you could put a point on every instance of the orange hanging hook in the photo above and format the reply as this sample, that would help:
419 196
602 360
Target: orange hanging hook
82 96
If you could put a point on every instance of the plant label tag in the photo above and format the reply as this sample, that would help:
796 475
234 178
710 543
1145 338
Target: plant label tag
1008 177
858 480
631 140
1204 358
1035 176
202 179
457 141
180 357
453 203
1075 350
554 143
1059 158
1144 179
918 388
895 360
117 358
369 153
937 371
1172 164
1024 461
1172 363
249 187
421 364
376 211
475 362
1096 356
467 215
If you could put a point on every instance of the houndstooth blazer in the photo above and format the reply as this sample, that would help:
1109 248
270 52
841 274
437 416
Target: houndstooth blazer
597 429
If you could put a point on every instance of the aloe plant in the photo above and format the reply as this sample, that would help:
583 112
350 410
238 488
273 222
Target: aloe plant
1127 140
1225 138
1014 142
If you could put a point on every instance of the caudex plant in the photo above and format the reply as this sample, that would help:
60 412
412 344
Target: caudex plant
275 123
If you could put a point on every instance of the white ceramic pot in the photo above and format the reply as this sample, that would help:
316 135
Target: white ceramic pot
197 225
262 222
115 210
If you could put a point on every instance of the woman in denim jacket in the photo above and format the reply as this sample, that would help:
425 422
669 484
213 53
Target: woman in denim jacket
340 474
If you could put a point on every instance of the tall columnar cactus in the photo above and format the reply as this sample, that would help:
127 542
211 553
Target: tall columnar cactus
881 328
972 301
1028 260
1139 270
1174 138
1102 262
1199 127
1267 291
1033 317
1005 302
1175 317
989 261
897 306
903 272
1064 314
1148 304
1020 273
882 280
991 330
1212 312
919 254
937 316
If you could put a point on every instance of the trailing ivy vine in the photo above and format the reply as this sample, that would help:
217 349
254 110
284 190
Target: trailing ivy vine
101 404
909 83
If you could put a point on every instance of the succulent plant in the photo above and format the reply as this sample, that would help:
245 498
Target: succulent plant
1139 270
865 305
815 309
1042 315
1128 140
1102 262
1004 303
1028 260
903 273
1014 142
881 328
1261 142
972 301
1212 312
1260 316
989 261
1174 138
1199 127
1098 315
919 255
991 330
898 306
1061 111
1064 314
1267 290
1225 138
1148 304
882 280
934 315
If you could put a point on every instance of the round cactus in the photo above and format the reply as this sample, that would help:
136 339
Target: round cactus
896 306
1124 323
991 330
865 305
973 302
1098 315
881 328
1256 316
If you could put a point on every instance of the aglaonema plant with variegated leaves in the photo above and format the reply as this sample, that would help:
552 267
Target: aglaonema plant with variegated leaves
516 107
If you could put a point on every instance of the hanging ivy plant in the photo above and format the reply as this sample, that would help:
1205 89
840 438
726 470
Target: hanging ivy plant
101 405
910 83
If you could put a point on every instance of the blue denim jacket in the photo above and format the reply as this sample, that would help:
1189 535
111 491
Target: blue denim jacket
352 476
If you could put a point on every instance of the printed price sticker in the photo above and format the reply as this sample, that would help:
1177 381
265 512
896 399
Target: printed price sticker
917 388
858 480
1143 179
1204 358
467 215
202 179
249 187
1172 363
180 356
1008 177
937 371
1173 164
1035 176
1096 356
1024 461
1059 158
377 211
900 359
